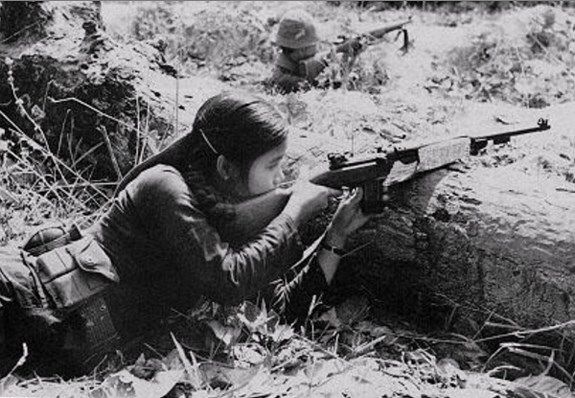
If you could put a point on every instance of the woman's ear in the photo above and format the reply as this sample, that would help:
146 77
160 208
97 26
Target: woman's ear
226 169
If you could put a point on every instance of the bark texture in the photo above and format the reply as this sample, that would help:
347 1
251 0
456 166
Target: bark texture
495 235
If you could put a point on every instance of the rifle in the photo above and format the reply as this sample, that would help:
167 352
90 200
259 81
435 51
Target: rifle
373 35
312 67
375 173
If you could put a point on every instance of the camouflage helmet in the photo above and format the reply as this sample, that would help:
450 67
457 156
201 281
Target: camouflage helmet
296 30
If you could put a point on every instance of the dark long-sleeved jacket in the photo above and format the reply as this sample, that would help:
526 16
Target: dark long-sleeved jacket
160 241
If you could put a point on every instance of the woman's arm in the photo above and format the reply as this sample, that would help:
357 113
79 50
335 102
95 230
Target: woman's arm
347 218
253 215
226 274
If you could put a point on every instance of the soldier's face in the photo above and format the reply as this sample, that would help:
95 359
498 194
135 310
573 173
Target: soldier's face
304 53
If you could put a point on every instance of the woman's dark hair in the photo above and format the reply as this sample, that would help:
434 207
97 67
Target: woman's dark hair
237 125
240 127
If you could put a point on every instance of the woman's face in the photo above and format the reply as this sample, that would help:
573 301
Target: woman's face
265 172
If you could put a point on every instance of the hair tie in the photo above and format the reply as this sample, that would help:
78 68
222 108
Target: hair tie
209 144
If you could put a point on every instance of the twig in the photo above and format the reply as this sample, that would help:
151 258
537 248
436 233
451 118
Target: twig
522 333
51 187
46 95
49 154
176 124
24 112
99 112
85 154
136 156
61 138
362 349
143 150
104 132
20 31
89 184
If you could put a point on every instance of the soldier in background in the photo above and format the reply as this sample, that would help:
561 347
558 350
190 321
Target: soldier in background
299 63
298 40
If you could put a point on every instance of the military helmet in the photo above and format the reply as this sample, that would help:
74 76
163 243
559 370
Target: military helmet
296 30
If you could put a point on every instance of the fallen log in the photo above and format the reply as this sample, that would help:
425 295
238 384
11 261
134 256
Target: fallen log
494 235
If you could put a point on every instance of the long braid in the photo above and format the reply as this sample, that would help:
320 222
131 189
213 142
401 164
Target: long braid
209 200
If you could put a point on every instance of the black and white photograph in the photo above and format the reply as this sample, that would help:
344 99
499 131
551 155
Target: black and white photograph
284 199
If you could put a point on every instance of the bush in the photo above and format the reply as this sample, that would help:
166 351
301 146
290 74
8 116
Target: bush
533 68
213 37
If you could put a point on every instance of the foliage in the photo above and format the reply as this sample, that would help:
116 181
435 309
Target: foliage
218 36
534 70
267 358
37 183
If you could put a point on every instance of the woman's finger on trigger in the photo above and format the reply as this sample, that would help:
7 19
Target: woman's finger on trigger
357 195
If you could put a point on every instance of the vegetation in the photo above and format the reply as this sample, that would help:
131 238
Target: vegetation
351 351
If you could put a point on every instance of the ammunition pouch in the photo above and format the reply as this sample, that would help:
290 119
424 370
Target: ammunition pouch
75 272
62 288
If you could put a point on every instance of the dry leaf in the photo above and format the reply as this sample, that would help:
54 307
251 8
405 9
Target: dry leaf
125 384
541 386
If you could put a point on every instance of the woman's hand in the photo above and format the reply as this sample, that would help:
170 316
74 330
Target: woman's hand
308 200
347 218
